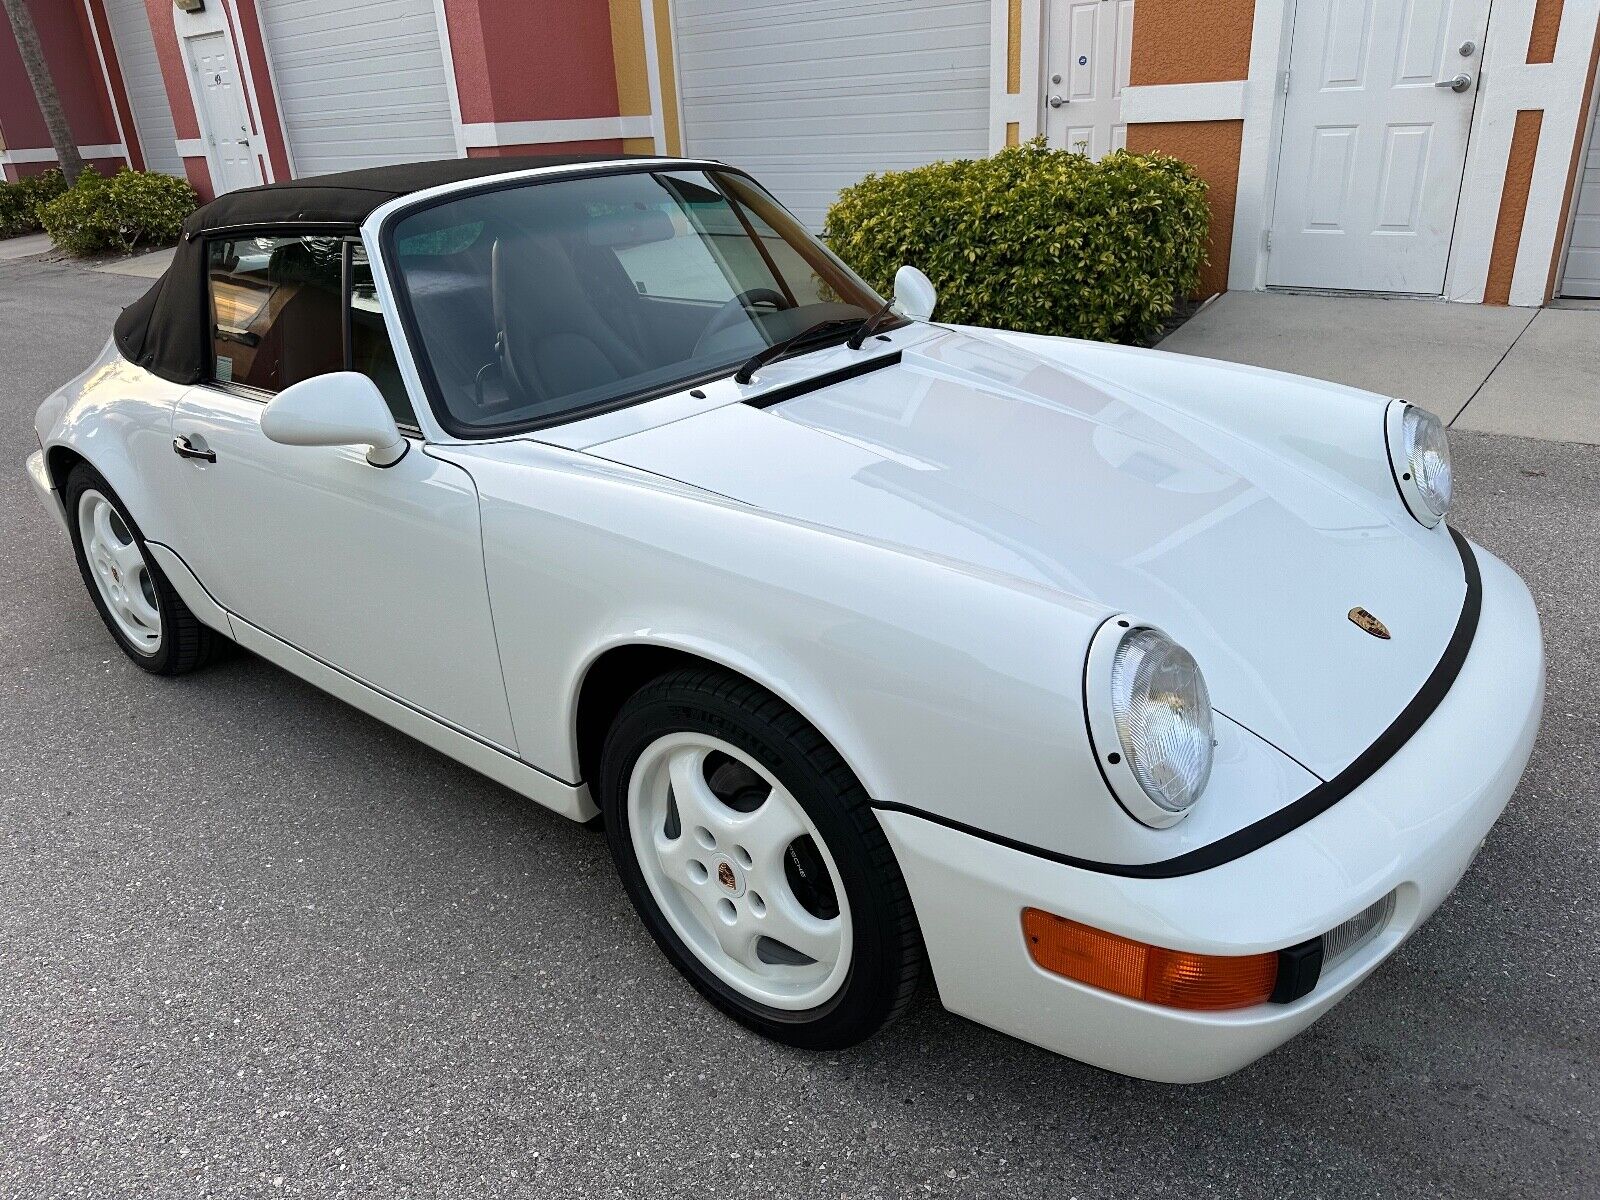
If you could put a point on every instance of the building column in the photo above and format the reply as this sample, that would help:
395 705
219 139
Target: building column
67 37
561 76
1186 97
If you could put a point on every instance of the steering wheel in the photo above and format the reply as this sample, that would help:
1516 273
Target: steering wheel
737 307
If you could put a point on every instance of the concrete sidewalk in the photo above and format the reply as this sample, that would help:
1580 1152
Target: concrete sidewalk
1517 371
145 265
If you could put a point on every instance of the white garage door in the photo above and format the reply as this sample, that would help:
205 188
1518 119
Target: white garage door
360 83
1582 274
147 93
810 95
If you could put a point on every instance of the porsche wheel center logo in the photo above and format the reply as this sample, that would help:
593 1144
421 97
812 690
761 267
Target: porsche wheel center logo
1367 623
729 878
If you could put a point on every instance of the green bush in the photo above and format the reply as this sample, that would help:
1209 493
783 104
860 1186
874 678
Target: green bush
1035 239
20 201
130 209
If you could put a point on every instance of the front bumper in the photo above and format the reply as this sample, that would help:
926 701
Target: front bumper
39 476
1412 828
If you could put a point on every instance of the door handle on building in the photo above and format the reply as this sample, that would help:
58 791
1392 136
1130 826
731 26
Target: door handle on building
1458 84
1057 101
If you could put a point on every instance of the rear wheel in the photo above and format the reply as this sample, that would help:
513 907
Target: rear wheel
751 852
147 617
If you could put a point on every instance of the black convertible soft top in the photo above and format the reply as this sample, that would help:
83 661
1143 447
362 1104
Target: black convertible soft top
165 331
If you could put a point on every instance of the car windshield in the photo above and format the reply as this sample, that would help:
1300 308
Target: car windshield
545 301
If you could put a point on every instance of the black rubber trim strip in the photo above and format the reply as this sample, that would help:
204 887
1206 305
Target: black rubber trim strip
1315 802
779 395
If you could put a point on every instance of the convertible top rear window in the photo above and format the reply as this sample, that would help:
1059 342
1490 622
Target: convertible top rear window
540 302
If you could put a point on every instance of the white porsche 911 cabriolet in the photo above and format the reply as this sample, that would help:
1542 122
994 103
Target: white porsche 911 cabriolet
1149 700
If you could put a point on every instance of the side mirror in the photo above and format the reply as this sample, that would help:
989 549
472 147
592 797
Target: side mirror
914 294
342 409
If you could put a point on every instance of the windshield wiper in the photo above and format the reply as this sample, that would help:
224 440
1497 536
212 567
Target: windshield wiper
871 325
778 349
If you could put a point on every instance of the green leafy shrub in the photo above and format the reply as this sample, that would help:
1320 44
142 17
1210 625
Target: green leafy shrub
20 201
130 209
1035 239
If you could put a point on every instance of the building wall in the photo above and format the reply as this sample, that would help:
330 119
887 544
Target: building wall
1204 87
1212 148
67 40
598 76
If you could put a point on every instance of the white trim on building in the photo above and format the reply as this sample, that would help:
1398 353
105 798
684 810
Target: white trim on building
47 154
576 129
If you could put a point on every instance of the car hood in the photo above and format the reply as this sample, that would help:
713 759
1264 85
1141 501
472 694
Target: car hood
975 450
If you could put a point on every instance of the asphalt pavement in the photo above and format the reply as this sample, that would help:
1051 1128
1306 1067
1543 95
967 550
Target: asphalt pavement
255 943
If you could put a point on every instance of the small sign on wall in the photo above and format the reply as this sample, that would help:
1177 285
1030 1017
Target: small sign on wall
190 6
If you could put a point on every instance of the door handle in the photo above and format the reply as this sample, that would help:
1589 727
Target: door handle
184 448
1057 101
1459 83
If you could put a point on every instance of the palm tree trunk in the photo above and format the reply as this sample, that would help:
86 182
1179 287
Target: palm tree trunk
44 88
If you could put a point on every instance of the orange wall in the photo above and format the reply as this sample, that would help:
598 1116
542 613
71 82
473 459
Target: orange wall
1546 26
1213 149
1196 41
1513 206
1191 41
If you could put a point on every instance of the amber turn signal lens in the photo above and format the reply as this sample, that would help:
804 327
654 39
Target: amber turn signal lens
1175 978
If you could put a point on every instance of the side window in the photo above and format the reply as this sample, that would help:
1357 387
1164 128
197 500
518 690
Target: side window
370 350
276 310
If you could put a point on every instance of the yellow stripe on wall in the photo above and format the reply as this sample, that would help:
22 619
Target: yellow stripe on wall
1513 206
669 77
1546 28
627 55
1014 48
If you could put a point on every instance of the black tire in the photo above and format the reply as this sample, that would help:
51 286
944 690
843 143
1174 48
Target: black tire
185 643
886 948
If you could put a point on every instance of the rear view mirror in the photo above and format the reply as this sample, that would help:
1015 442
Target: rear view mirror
344 408
622 230
914 294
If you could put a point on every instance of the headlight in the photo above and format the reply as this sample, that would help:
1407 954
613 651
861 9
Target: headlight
1151 725
1419 452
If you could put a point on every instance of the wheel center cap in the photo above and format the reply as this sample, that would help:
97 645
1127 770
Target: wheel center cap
730 878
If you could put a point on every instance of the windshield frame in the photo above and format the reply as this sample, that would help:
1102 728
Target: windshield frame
384 242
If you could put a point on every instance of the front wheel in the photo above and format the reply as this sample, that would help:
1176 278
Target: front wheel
751 852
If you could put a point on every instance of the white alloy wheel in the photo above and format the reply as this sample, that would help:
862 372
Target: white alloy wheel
120 572
732 860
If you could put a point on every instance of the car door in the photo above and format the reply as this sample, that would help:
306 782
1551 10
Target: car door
376 571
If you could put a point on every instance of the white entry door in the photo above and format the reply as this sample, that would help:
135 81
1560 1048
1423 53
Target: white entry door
225 126
1380 97
1086 68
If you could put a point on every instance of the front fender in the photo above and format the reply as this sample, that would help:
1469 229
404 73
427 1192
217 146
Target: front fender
946 689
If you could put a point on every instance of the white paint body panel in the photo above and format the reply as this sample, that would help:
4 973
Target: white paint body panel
147 90
378 571
1414 828
362 83
1372 155
986 454
916 559
1090 47
809 98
